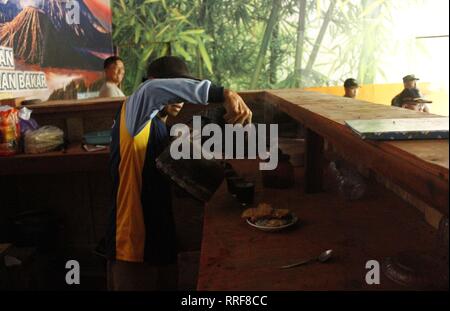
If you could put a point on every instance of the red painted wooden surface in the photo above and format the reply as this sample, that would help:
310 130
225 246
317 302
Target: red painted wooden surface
235 256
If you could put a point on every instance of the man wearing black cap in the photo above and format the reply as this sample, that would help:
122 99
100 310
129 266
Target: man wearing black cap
140 241
409 82
413 100
351 87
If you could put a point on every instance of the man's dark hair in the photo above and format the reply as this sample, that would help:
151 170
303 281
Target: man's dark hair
350 83
110 61
168 67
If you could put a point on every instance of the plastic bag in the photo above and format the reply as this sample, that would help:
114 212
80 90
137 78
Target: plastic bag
46 138
26 122
28 125
350 184
9 131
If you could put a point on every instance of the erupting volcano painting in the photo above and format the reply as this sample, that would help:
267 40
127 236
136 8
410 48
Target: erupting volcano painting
70 52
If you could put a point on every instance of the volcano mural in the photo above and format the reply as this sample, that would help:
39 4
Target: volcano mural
88 33
43 39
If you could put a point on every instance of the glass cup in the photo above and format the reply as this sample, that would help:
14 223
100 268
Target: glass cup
245 192
232 181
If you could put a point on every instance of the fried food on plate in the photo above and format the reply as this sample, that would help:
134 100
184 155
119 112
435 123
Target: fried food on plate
280 213
275 222
264 211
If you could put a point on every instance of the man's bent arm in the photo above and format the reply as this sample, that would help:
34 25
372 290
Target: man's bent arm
153 95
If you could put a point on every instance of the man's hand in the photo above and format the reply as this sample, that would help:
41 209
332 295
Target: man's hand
417 107
236 109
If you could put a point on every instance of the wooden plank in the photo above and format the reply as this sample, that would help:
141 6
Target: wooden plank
420 167
313 162
341 109
63 106
433 153
73 159
73 105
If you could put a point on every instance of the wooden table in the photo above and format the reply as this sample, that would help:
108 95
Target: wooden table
73 159
235 256
419 167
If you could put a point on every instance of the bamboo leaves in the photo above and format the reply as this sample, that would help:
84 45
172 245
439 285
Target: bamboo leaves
273 20
145 29
248 44
205 56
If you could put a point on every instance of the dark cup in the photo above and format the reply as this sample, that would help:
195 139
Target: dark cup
226 166
229 173
245 192
232 182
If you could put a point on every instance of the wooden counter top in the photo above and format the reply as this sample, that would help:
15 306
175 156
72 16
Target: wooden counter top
420 166
73 105
339 110
235 256
73 159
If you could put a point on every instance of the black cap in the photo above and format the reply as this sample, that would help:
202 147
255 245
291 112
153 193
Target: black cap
410 78
168 67
349 83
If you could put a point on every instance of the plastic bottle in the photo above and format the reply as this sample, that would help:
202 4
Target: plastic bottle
283 176
350 183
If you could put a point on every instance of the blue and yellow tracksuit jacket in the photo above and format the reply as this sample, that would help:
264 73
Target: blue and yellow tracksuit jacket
141 226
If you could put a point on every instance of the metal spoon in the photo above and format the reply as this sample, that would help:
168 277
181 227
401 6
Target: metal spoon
322 258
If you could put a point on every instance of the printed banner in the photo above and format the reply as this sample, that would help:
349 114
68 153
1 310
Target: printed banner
11 81
64 40
6 58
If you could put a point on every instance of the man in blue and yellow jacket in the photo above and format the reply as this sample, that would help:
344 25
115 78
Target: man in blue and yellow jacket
141 242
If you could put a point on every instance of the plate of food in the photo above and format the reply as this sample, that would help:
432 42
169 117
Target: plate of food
269 219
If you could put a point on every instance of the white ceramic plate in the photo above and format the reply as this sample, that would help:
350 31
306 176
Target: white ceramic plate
260 224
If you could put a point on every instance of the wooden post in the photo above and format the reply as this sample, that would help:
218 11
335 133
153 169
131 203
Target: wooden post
313 162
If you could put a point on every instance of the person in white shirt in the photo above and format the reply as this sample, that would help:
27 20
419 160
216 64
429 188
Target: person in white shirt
114 73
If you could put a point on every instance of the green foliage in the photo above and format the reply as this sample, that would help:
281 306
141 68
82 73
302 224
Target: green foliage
227 41
147 29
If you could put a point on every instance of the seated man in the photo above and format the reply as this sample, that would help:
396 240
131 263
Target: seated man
409 82
141 242
412 99
351 87
114 73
